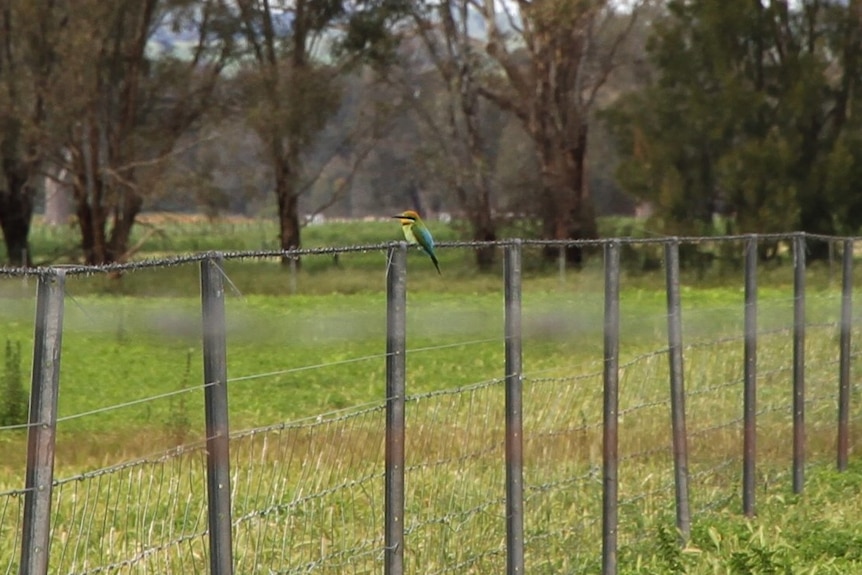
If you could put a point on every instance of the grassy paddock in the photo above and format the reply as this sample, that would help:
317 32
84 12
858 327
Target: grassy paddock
308 495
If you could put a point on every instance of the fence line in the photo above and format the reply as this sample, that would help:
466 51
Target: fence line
197 258
215 526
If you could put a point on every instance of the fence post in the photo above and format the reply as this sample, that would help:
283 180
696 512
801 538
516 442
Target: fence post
215 400
42 430
844 367
396 348
610 420
514 413
749 409
677 390
798 363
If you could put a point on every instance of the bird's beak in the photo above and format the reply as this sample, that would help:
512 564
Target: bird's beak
402 218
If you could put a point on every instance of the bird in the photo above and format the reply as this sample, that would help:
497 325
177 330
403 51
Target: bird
415 232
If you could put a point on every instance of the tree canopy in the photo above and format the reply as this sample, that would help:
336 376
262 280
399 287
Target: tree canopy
742 109
750 117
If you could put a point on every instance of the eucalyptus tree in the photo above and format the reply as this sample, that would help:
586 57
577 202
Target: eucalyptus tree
295 55
545 62
119 103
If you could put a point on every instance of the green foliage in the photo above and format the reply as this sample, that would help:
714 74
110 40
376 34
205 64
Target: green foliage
13 408
669 550
754 124
370 32
757 559
789 535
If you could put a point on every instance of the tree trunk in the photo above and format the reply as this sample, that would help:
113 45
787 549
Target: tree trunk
288 209
484 231
104 235
567 211
482 222
482 219
16 212
58 201
815 218
124 221
91 222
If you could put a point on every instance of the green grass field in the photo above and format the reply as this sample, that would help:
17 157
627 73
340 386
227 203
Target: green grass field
310 349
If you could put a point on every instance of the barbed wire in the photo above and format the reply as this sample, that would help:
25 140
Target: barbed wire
13 493
302 368
283 507
113 407
152 459
249 377
312 566
326 562
334 416
593 474
415 398
455 344
496 447
179 260
134 402
473 560
142 555
447 519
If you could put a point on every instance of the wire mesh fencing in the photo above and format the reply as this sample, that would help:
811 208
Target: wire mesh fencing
538 424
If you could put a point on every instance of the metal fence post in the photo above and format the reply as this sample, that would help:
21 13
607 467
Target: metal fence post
844 366
42 430
215 400
677 390
396 348
610 420
798 363
514 414
749 408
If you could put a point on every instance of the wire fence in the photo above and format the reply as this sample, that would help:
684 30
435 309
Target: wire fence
577 423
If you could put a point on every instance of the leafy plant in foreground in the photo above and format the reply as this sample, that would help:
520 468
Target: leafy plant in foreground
668 550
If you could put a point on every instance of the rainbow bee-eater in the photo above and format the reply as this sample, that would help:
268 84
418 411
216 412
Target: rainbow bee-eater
416 232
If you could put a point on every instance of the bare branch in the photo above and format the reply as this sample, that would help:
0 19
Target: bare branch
504 101
342 190
149 162
152 231
426 30
496 48
609 64
247 13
